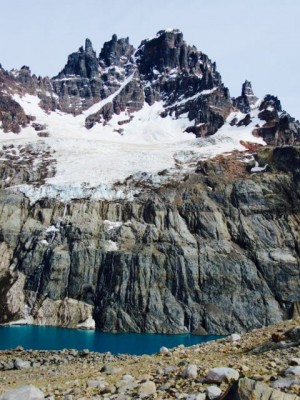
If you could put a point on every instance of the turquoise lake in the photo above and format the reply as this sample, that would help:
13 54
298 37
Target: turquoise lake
49 338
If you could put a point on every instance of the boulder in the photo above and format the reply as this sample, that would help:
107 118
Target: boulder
283 383
164 350
293 371
147 389
27 392
294 333
213 392
111 369
250 389
190 372
222 374
235 337
21 364
294 361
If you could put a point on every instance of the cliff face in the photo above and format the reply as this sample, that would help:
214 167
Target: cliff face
218 252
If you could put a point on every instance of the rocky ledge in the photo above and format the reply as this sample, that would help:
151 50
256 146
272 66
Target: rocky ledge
262 364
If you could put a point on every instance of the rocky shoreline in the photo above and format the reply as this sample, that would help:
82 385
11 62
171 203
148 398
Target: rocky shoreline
261 364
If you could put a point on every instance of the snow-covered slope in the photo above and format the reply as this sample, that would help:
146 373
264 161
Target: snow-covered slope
95 163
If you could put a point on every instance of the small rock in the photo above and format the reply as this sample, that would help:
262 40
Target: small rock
145 378
169 369
182 363
167 385
20 364
127 378
258 377
110 389
191 371
293 371
123 387
111 370
97 382
222 374
73 352
147 389
294 361
244 368
272 364
84 352
277 337
8 366
199 396
27 392
293 334
164 350
212 392
235 337
19 348
284 383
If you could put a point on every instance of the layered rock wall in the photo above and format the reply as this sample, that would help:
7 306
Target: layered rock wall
213 254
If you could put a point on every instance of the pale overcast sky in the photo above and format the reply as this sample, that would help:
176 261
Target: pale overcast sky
256 40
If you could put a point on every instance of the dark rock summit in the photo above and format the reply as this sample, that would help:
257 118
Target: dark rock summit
279 128
185 79
116 52
167 51
83 63
165 69
247 98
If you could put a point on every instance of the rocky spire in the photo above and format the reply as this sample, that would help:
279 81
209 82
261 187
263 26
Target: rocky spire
247 89
116 52
91 61
88 45
247 99
167 50
83 63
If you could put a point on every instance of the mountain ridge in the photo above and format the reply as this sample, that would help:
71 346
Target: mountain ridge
136 195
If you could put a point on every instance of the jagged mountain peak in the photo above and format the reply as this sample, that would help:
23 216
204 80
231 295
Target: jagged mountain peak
88 45
173 31
166 50
122 81
247 100
271 101
247 89
116 52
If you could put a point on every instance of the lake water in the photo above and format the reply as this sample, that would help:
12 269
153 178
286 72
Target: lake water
49 338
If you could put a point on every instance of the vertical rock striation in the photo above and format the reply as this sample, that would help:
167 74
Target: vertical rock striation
183 259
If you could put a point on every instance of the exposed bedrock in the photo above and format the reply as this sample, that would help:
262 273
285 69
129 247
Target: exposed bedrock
213 253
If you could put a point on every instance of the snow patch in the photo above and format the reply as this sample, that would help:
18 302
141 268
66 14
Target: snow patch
110 225
87 324
195 96
52 229
257 168
111 246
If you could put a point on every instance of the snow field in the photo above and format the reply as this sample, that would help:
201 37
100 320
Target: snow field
91 162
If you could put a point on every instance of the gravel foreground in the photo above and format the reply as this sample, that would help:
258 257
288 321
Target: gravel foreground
261 364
